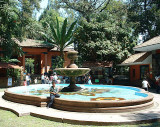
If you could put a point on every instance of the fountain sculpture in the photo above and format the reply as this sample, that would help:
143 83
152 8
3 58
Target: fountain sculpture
72 71
104 98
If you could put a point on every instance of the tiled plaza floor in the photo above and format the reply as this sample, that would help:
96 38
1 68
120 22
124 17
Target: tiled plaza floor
148 115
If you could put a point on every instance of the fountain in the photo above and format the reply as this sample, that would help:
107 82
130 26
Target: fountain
72 71
92 98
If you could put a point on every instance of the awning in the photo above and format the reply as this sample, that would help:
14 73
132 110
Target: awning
9 65
139 58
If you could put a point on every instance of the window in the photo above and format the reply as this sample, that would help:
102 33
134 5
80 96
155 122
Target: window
134 73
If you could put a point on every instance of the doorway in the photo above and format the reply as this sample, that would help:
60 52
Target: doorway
144 69
33 64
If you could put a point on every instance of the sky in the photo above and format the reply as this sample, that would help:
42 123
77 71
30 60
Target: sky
43 5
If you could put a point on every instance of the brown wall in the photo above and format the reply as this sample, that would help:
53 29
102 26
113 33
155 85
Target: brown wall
137 72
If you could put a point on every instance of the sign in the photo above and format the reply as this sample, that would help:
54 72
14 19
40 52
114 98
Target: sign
96 80
9 81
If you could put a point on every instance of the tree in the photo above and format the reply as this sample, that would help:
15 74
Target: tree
16 22
108 35
145 14
61 37
27 9
9 29
84 7
49 17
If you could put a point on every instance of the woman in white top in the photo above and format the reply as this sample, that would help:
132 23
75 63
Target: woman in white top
145 84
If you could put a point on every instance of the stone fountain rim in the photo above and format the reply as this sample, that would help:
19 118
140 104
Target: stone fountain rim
72 69
111 106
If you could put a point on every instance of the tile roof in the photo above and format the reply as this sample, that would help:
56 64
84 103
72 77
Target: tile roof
153 41
136 58
39 44
34 43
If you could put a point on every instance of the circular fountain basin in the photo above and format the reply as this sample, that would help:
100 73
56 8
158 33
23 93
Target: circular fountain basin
92 98
72 72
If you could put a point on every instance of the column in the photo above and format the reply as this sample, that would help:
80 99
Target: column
45 61
23 61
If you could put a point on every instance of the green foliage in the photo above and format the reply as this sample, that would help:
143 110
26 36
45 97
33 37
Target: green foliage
8 60
145 14
48 17
27 8
9 29
84 7
33 30
108 35
29 63
61 37
58 63
13 73
16 22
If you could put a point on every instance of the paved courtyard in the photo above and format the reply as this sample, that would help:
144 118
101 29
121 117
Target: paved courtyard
148 115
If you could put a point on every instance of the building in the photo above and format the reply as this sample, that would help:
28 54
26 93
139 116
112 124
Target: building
100 71
145 62
42 54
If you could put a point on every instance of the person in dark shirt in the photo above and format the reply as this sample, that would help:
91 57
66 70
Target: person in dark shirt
53 93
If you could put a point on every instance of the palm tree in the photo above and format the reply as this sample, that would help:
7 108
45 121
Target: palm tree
61 37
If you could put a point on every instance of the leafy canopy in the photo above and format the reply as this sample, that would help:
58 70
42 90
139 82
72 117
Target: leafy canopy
107 36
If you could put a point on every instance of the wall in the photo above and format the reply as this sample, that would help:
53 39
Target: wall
137 72
155 63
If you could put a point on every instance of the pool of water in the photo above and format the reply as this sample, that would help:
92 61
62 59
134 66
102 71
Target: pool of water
88 93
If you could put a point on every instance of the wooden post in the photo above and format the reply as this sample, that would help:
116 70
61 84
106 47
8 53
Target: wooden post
45 61
23 62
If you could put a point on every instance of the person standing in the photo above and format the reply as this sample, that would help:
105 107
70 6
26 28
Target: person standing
28 79
89 80
53 93
55 77
51 77
145 84
42 79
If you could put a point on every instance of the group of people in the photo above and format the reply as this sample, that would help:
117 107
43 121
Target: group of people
85 79
45 79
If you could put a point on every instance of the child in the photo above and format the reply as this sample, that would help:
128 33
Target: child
89 80
25 83
36 80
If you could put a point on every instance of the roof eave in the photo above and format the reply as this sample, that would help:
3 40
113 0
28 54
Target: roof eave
147 48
